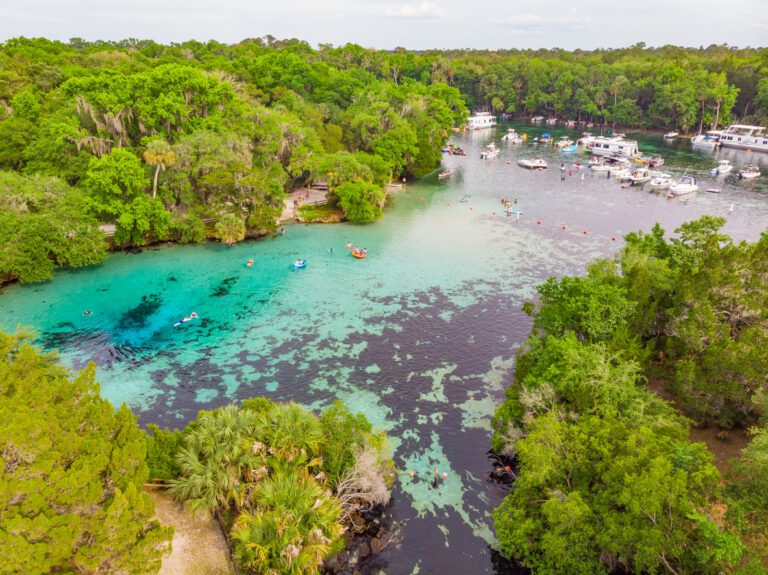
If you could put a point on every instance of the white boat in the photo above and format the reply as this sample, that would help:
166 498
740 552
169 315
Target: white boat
491 151
745 137
551 121
723 167
603 146
708 141
685 185
512 136
532 163
749 173
564 142
655 162
537 119
445 174
661 181
640 176
480 120
621 173
671 135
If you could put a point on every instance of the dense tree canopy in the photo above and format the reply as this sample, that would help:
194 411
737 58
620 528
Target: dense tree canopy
71 473
607 476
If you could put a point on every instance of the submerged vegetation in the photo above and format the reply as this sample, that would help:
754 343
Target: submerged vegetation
608 479
292 487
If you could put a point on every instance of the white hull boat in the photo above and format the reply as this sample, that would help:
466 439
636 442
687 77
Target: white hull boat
745 137
749 173
661 182
481 120
723 167
532 163
685 185
671 135
708 141
512 137
491 151
640 176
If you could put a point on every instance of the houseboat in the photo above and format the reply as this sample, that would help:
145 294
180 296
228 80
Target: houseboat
481 120
605 146
741 136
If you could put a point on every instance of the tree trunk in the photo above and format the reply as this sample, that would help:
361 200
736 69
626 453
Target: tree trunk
154 183
701 120
717 115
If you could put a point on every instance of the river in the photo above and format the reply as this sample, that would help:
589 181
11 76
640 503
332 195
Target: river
420 336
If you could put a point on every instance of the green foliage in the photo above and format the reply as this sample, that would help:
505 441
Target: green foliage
71 496
230 229
162 447
44 224
284 473
360 201
114 181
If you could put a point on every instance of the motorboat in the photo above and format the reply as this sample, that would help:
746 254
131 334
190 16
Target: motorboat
564 142
532 163
640 176
617 159
661 182
512 136
481 120
655 162
749 173
745 137
569 149
551 121
491 151
685 185
723 167
708 141
671 135
299 264
621 173
445 174
537 119
603 146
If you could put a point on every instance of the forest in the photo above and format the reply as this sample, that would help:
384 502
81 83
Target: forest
607 478
190 141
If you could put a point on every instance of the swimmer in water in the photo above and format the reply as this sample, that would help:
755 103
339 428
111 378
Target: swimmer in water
87 312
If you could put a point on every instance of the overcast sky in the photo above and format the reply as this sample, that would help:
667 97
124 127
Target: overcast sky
413 24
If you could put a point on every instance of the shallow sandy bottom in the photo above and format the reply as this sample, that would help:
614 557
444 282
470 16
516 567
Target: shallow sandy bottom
198 545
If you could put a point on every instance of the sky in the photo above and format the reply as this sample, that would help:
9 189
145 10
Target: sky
386 24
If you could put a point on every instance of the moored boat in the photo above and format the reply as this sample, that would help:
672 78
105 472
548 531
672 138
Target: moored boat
491 151
512 136
655 162
745 137
481 120
749 173
640 176
723 167
708 141
532 163
671 135
445 174
661 182
685 185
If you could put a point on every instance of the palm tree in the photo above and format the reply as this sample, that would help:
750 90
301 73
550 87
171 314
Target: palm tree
290 431
293 528
230 229
218 451
159 154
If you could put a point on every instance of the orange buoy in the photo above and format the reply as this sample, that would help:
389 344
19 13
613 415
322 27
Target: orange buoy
411 474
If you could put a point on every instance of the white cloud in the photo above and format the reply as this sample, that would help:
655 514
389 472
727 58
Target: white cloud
423 11
540 24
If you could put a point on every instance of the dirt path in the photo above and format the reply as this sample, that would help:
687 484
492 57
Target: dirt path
198 545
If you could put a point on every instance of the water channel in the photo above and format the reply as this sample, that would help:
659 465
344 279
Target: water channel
420 336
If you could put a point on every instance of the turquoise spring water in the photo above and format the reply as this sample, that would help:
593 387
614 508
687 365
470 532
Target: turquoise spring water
420 336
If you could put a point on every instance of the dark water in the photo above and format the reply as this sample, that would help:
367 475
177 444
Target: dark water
420 336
